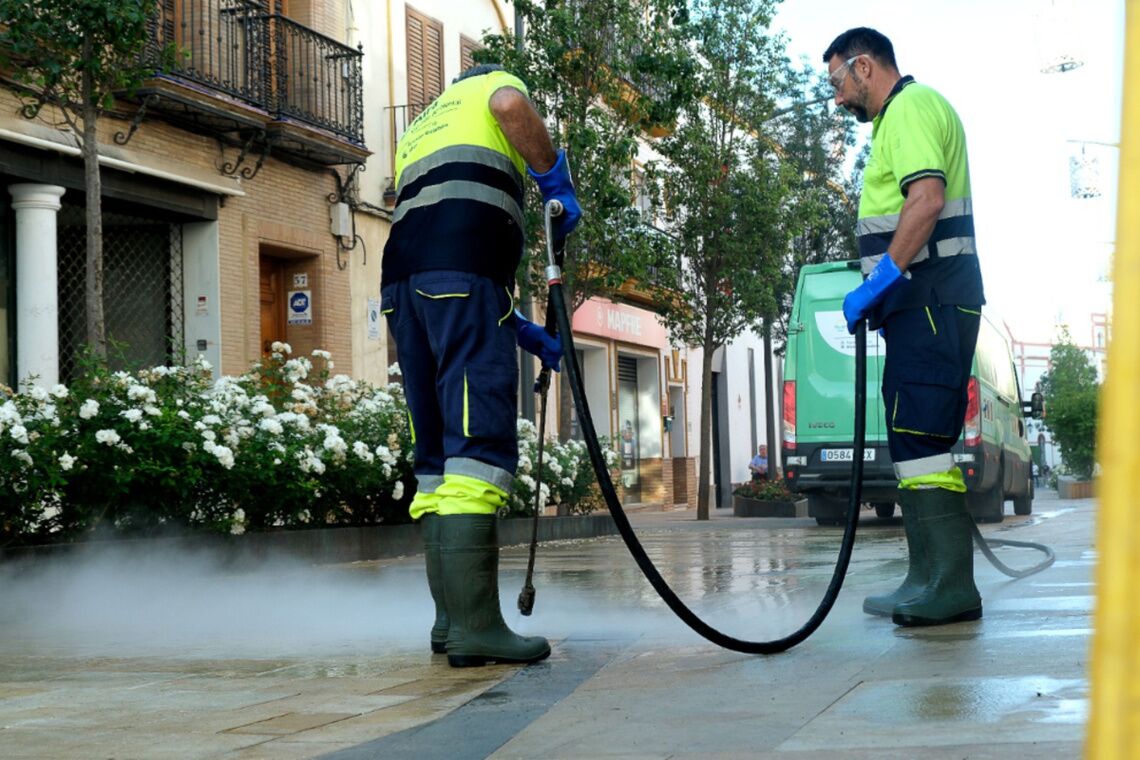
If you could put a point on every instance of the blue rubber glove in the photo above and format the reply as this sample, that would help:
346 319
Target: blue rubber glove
555 184
883 279
535 340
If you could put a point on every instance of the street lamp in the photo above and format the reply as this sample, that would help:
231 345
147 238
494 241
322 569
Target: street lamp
1058 37
1085 179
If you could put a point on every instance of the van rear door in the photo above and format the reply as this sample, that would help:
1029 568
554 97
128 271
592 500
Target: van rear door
826 364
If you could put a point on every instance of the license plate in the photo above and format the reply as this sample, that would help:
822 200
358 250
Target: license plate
845 455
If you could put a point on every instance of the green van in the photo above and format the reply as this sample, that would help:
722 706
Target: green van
818 414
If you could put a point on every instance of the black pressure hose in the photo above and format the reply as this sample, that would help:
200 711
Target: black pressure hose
985 543
558 304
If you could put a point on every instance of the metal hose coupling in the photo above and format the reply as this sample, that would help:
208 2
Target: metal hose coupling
553 272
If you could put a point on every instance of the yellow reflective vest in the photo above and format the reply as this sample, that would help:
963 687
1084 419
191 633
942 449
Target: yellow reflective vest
459 188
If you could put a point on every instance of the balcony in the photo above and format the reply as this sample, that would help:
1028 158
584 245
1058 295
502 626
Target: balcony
250 77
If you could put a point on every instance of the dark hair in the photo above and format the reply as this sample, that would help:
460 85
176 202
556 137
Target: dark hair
862 40
477 70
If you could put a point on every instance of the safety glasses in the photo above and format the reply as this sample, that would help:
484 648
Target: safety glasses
840 74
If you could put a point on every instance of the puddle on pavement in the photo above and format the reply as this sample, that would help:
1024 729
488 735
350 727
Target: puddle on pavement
981 700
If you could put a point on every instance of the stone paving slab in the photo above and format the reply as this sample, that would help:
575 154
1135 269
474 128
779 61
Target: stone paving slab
332 661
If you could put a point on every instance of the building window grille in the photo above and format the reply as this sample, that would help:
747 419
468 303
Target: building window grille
142 290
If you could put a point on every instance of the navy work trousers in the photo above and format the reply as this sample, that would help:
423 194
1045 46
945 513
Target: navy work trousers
925 378
455 341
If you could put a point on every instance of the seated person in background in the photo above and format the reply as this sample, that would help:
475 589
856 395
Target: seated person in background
759 463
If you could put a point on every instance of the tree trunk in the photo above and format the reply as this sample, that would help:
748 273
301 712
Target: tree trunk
705 460
769 407
96 329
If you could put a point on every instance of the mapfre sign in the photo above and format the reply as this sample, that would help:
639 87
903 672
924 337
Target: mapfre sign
619 322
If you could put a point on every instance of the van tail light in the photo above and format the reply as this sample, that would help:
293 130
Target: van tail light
789 414
973 431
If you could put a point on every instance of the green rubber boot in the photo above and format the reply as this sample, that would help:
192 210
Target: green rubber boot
478 635
917 573
943 526
430 523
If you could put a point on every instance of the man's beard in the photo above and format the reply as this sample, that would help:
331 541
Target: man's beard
858 108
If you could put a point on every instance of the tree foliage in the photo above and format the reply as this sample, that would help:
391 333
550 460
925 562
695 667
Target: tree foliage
76 55
1071 390
725 189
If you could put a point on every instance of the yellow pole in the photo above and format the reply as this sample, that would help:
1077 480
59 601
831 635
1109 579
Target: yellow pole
1114 725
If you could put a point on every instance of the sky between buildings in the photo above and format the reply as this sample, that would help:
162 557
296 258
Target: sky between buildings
1045 255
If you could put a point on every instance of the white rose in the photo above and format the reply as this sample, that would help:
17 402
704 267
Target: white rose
107 436
225 456
19 434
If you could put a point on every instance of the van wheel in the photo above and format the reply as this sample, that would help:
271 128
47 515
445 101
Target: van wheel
987 506
885 509
1023 505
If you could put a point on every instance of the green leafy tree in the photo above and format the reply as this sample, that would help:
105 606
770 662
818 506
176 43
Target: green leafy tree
74 56
726 191
1071 390
601 73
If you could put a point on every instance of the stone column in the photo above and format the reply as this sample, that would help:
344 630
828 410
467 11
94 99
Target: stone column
37 282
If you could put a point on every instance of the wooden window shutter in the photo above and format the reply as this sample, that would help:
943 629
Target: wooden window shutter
425 60
467 48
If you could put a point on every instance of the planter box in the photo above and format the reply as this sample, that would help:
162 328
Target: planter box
1068 488
318 546
742 506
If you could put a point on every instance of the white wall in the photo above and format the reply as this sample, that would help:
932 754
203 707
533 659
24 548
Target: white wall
740 401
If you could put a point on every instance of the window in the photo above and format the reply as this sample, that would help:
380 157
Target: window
467 48
425 60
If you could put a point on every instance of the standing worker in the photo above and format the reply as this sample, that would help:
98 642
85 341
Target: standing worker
448 283
923 288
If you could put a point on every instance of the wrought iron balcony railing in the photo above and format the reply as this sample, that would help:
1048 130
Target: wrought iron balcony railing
220 44
262 59
317 79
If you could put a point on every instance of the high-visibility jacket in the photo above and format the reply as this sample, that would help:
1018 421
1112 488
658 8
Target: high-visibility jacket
459 188
918 134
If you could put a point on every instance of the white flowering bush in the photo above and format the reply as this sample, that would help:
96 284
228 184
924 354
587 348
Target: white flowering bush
170 448
286 445
567 476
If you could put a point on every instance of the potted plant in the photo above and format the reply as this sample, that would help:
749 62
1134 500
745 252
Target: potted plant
767 498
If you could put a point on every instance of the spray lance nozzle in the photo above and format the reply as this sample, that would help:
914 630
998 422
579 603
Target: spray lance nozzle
526 599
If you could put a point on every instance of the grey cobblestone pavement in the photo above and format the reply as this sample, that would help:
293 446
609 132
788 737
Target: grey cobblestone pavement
171 657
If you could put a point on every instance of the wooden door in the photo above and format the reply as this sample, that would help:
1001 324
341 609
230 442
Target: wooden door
272 276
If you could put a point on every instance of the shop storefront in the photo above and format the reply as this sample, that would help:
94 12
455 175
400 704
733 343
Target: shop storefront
636 386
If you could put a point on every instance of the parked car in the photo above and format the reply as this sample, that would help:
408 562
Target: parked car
819 410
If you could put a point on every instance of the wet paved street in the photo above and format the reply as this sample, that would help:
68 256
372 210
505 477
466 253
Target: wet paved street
170 657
